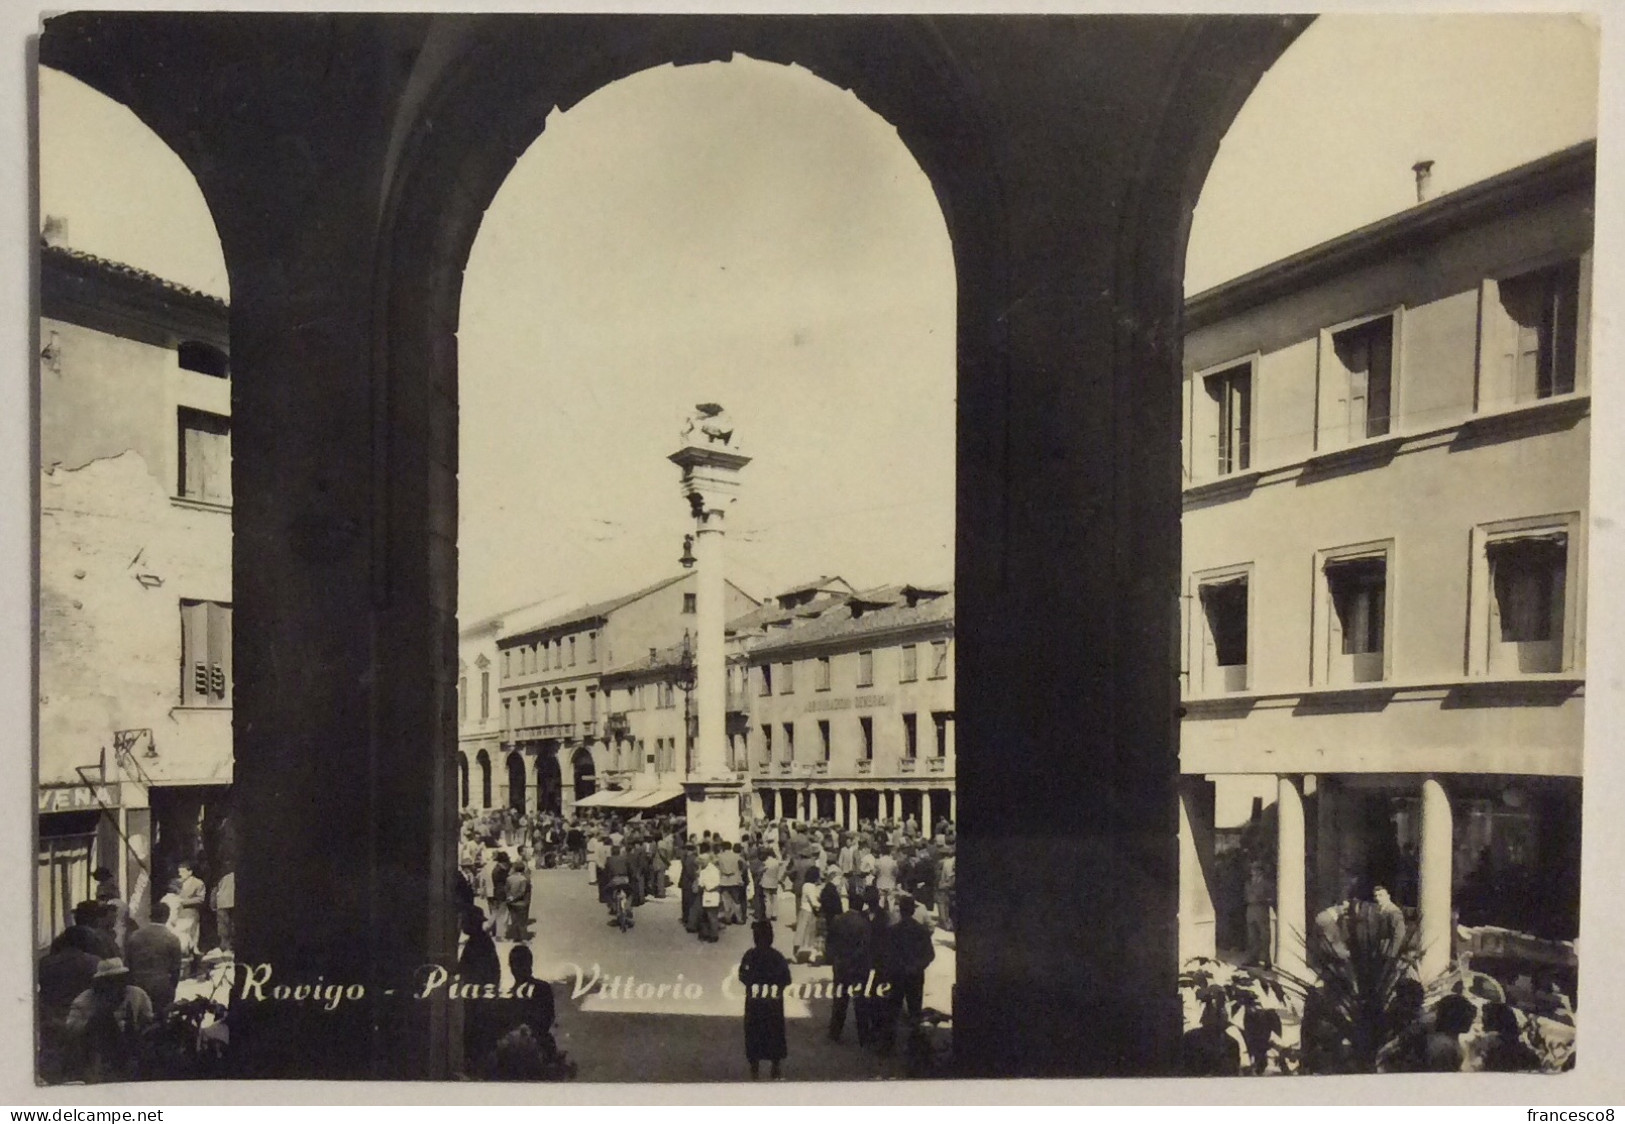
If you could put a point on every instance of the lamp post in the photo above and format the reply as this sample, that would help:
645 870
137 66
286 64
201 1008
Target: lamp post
711 462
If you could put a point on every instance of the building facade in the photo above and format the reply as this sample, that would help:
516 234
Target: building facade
479 728
560 735
1387 453
842 704
135 636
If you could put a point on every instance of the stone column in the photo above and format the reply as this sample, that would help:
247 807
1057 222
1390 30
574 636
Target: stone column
1197 922
1435 892
710 460
1290 891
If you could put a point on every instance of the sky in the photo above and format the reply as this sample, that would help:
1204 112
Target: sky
1326 142
737 232
746 233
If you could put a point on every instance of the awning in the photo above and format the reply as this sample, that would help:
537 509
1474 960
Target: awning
631 797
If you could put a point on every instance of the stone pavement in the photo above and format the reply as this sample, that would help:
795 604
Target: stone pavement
657 1004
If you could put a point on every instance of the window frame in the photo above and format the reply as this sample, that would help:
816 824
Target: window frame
215 425
822 673
911 735
787 677
1337 669
1205 446
907 654
866 729
1490 393
1481 594
1209 680
866 668
939 659
1326 362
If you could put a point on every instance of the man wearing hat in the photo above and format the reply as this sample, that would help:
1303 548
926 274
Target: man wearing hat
108 1023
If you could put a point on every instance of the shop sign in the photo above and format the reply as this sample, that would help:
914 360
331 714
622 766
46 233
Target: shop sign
862 702
77 798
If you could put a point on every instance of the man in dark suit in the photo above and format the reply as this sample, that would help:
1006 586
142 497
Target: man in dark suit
846 945
908 953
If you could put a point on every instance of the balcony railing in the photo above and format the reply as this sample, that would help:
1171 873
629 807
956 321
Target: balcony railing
786 768
909 764
763 768
551 730
866 766
938 764
821 768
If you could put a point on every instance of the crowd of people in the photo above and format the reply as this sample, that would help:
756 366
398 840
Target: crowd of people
108 981
861 900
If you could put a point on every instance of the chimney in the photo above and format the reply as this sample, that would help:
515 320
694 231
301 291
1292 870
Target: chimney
1424 179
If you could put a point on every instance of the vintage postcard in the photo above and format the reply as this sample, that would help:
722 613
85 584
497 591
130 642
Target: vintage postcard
642 548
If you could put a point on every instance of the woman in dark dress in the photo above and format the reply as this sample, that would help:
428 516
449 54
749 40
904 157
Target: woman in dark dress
765 973
479 964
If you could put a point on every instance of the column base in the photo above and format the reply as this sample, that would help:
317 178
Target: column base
714 806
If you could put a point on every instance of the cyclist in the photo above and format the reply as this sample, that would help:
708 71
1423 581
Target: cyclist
618 881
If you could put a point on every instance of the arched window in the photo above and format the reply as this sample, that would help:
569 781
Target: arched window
204 358
462 780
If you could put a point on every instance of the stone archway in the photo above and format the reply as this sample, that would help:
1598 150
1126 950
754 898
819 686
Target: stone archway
462 780
348 159
484 761
585 773
549 782
516 782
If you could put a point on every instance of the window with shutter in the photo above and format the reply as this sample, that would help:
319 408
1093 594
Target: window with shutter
939 659
1366 354
1357 589
205 456
1230 410
205 654
1224 637
1528 579
1538 330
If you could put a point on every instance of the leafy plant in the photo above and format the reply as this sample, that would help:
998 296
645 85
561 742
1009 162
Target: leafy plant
1363 996
1245 1001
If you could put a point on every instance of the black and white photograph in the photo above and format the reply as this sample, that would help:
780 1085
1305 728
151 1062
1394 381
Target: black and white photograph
581 548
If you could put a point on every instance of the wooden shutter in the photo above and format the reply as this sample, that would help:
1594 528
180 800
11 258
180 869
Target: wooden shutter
219 625
194 653
217 465
191 460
